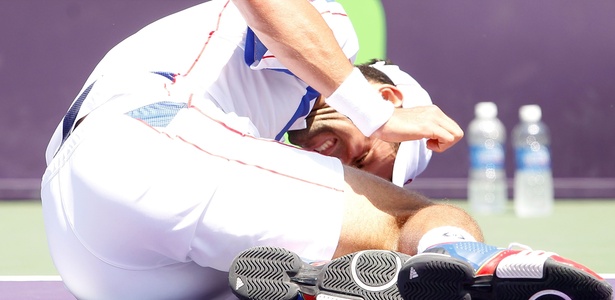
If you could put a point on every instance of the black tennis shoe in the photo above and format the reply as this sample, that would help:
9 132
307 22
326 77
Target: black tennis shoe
472 270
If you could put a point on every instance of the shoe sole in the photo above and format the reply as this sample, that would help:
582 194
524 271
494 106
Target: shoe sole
435 277
441 277
269 273
559 279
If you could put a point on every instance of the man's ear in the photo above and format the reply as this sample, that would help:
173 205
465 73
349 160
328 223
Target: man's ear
391 93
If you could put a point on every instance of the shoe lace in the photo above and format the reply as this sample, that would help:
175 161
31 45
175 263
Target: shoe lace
519 245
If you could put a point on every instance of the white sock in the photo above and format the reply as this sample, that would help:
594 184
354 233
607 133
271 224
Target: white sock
443 234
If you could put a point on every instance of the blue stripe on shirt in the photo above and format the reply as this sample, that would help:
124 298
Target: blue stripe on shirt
302 110
158 114
254 51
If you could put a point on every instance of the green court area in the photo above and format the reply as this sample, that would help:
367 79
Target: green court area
583 231
23 249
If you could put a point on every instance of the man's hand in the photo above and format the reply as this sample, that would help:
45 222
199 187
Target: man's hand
421 122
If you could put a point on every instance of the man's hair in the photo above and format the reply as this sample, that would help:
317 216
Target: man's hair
374 75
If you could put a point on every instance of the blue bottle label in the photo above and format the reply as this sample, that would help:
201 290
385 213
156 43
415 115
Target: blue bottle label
487 157
537 159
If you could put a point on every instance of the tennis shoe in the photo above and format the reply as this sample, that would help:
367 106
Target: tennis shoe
268 273
473 270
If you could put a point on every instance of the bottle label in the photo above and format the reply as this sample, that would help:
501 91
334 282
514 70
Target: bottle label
487 158
529 159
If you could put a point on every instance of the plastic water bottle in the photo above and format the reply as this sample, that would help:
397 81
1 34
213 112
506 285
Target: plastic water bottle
487 189
533 187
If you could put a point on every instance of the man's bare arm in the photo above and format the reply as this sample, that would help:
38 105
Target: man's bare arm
300 38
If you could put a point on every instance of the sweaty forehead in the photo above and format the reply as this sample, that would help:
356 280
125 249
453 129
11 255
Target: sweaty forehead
320 102
320 106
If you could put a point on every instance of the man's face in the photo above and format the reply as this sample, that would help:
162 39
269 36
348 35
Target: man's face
333 134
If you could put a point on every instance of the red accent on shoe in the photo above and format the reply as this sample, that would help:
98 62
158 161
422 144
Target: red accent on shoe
576 265
308 297
488 268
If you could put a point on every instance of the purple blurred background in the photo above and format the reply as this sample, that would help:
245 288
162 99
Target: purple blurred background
558 54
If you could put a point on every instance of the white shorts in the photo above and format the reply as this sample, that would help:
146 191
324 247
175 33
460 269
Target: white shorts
140 212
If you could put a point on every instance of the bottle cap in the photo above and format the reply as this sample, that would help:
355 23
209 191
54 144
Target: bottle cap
485 110
530 113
